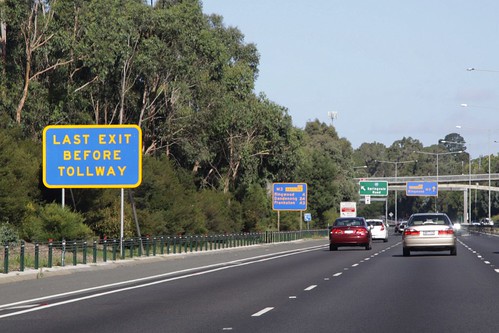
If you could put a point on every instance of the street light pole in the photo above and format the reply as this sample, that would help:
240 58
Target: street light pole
488 142
396 163
469 176
488 149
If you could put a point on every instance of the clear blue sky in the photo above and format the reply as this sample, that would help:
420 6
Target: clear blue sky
389 68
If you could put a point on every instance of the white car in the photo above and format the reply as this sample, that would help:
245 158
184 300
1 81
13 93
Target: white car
379 230
487 221
429 232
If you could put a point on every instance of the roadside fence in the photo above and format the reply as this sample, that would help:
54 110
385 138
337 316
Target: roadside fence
37 255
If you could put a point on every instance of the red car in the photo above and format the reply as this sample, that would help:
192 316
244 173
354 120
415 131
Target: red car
350 231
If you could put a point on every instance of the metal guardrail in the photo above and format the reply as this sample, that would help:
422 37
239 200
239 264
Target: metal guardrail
18 257
493 230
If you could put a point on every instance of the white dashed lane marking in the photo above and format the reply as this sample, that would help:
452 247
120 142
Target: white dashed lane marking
262 312
311 287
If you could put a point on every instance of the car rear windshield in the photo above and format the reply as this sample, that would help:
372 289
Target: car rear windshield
429 219
348 223
374 222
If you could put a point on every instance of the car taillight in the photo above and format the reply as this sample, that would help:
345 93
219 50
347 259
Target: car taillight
336 232
411 232
361 231
448 231
382 227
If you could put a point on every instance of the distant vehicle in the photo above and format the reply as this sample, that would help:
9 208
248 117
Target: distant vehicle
349 231
400 227
379 230
429 232
487 221
475 223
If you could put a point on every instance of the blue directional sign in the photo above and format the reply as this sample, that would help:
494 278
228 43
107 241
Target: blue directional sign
428 189
289 196
92 156
307 217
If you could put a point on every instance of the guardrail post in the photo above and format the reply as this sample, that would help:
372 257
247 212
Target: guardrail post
115 248
75 252
37 255
84 253
21 257
147 246
6 258
94 252
63 254
51 250
104 250
154 244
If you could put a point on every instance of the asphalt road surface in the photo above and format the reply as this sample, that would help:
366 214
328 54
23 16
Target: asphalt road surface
293 287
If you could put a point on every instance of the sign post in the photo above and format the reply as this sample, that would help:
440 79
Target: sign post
289 196
93 156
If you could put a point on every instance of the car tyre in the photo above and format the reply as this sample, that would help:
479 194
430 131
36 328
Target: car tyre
453 251
333 247
385 240
406 252
368 247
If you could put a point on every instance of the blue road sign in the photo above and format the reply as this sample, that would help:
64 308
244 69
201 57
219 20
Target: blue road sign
422 189
92 156
307 217
289 196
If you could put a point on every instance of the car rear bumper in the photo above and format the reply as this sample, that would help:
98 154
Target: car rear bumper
350 240
429 242
380 235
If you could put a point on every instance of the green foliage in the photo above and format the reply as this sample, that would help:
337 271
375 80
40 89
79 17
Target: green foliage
326 169
51 221
256 207
19 170
8 234
211 145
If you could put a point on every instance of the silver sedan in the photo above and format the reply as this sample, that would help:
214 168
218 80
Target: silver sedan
429 232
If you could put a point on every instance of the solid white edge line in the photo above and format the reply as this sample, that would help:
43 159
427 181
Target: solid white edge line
261 312
235 263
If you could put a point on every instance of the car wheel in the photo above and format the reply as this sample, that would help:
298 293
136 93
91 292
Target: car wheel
333 247
368 247
385 240
453 251
406 252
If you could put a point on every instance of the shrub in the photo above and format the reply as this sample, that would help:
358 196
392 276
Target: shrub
53 221
8 234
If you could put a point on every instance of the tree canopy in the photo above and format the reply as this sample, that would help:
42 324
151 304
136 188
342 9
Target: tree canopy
211 145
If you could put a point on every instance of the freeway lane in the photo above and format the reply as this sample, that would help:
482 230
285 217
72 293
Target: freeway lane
350 290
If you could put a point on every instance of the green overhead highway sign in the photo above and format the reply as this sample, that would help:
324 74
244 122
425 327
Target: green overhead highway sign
379 188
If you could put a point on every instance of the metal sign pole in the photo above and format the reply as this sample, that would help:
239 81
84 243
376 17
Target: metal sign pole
122 213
